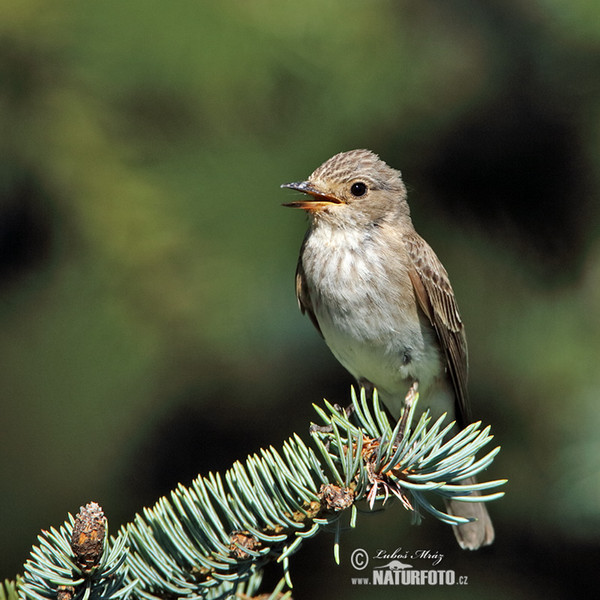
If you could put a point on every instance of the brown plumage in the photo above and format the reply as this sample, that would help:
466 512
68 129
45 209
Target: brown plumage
381 298
436 299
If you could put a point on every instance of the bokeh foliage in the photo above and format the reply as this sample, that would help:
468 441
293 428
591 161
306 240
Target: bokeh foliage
146 295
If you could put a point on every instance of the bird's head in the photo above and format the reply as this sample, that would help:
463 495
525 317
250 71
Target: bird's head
352 187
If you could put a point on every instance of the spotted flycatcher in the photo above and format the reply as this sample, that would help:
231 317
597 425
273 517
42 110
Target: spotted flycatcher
382 300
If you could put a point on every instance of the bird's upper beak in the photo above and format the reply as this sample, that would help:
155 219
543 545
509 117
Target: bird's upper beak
316 198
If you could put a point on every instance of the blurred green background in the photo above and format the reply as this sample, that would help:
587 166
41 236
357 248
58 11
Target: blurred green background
148 325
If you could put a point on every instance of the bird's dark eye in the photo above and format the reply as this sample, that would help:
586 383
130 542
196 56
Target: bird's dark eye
358 189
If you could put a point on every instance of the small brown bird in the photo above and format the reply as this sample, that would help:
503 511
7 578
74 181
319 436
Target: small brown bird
381 298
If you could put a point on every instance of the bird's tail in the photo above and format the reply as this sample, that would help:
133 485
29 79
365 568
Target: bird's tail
471 536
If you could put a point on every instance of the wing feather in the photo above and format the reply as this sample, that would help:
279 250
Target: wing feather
436 299
303 293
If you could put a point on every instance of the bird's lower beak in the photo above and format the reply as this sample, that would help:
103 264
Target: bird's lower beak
317 199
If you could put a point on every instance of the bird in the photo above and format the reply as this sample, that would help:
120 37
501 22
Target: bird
382 300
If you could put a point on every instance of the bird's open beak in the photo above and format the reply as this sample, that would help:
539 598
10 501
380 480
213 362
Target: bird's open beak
316 198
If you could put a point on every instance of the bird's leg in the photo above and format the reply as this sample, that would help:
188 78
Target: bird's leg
409 400
320 428
346 411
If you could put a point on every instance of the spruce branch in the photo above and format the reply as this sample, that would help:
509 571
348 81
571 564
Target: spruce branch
8 590
212 539
78 561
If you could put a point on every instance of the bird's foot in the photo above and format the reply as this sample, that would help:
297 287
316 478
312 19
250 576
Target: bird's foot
409 400
347 412
314 428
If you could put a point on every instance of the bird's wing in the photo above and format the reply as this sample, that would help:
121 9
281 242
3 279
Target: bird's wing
436 299
303 294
